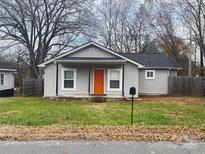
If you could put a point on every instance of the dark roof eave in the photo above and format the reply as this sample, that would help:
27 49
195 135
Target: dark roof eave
8 70
90 61
160 68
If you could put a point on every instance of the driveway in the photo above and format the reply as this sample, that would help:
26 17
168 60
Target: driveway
102 147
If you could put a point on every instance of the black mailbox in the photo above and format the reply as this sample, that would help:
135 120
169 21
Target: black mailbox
132 91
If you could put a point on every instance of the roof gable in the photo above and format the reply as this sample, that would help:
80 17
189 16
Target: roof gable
92 52
78 49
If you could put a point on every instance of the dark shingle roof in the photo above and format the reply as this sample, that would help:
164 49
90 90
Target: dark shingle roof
155 60
5 65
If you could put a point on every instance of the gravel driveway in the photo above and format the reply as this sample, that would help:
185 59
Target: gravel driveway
102 147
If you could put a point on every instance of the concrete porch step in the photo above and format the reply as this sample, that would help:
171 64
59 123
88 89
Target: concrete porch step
98 99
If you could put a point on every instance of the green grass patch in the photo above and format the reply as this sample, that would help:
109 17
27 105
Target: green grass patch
35 111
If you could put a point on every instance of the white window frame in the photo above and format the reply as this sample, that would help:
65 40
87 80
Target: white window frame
150 78
63 80
4 79
108 80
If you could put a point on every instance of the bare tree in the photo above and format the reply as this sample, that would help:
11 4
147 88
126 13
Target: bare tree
107 22
139 32
193 13
160 16
43 27
122 26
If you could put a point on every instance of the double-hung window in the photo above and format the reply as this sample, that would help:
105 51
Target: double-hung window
150 74
1 79
69 79
114 79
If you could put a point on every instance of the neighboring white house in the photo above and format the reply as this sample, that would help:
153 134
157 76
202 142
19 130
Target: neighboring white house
6 76
93 70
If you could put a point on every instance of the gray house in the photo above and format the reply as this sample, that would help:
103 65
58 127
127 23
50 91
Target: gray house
93 70
6 76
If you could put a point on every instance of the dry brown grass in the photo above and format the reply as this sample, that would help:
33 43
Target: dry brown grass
127 133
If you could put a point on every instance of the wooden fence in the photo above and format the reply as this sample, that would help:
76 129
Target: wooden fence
186 86
33 87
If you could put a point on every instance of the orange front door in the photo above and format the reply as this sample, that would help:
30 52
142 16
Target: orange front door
98 81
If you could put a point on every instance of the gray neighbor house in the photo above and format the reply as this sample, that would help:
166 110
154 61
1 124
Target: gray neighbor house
6 79
92 70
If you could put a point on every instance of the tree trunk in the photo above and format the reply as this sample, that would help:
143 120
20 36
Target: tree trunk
34 71
202 51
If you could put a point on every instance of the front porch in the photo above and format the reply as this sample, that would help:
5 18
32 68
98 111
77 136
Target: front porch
96 78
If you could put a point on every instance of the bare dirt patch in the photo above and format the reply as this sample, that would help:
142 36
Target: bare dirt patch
122 133
175 99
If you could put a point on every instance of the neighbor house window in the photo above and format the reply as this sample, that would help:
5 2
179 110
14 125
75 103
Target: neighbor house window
150 74
114 79
1 79
69 79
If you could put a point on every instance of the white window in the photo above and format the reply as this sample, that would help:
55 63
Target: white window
150 74
114 79
69 79
1 79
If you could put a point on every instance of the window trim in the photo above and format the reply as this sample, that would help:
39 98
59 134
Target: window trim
108 79
3 80
149 78
63 79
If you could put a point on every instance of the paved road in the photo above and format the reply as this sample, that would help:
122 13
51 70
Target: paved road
95 147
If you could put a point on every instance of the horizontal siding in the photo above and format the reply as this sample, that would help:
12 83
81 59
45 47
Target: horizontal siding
159 85
105 67
8 81
92 52
131 78
82 76
173 73
50 81
81 80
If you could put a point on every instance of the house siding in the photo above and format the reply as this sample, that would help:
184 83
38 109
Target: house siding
82 80
105 67
50 81
173 73
8 81
131 78
157 86
92 52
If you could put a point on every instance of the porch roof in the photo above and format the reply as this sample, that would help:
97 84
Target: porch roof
95 60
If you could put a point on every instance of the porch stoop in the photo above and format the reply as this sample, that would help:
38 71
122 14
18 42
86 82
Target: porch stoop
89 98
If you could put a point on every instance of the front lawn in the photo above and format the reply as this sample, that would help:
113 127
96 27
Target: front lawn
162 111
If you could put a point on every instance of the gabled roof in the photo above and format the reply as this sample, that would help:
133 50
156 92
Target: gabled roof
5 66
153 60
142 60
91 44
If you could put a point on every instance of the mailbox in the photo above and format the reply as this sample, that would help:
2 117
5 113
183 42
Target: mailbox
132 91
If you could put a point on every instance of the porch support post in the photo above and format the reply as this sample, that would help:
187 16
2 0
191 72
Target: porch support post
89 79
123 80
57 79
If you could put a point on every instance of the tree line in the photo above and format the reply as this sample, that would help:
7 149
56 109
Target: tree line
37 30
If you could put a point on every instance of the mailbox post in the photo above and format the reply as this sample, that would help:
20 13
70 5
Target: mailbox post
132 92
